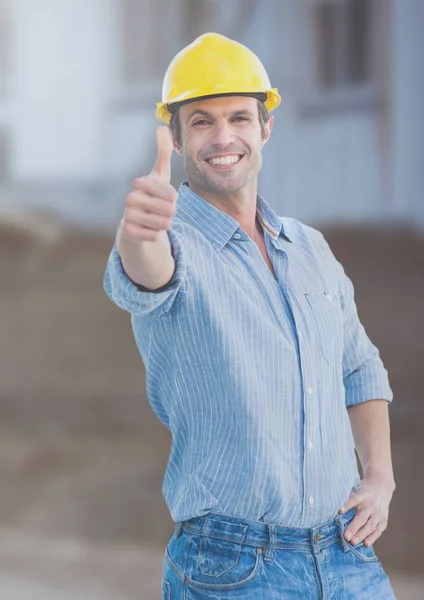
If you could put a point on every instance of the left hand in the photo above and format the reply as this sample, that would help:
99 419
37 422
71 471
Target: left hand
372 500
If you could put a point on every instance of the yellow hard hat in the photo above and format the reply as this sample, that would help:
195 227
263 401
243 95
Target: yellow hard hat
214 65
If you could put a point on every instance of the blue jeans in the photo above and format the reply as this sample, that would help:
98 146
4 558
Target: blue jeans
221 557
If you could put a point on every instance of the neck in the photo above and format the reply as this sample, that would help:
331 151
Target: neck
240 205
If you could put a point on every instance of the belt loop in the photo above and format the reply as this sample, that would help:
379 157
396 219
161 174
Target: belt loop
341 526
272 542
179 529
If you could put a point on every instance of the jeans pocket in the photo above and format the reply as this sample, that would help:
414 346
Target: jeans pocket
364 553
214 564
222 565
217 557
327 321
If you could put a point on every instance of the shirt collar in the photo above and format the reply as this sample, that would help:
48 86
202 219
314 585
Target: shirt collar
216 225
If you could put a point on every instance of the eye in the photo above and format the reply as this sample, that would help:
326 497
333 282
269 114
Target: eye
240 119
201 122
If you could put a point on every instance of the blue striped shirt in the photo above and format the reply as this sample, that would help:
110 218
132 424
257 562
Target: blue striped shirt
252 374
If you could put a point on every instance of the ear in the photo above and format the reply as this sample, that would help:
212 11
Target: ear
268 129
177 147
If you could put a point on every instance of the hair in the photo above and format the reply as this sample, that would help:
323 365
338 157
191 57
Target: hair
175 124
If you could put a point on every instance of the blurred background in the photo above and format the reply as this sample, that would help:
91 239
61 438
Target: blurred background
82 455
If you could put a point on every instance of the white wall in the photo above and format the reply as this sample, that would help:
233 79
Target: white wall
61 84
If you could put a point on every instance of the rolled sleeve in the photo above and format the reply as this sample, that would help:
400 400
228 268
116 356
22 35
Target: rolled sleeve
132 298
364 375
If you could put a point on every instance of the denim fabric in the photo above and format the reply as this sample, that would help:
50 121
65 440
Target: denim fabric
218 557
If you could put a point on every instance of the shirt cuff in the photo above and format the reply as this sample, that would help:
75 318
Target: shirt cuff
369 382
140 301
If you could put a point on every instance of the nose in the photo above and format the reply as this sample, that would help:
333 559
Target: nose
222 135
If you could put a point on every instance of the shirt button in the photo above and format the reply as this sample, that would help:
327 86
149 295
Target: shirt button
329 297
310 445
309 391
300 335
237 236
311 500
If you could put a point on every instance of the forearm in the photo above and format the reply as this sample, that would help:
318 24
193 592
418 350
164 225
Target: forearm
371 431
148 264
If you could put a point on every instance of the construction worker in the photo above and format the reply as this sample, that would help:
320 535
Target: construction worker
255 358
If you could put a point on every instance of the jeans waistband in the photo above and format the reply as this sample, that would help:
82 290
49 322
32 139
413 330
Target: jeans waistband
259 534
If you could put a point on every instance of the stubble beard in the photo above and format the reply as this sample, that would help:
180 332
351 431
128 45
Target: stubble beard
228 186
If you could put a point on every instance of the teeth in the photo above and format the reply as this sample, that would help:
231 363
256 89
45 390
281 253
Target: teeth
224 160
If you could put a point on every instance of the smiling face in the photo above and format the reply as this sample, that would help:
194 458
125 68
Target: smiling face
221 142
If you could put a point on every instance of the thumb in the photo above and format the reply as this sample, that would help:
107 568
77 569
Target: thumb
162 166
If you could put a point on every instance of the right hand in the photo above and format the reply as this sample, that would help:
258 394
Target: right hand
150 205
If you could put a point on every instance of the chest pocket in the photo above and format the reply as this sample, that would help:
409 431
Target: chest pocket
326 318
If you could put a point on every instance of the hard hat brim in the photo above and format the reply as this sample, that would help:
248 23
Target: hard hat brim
164 110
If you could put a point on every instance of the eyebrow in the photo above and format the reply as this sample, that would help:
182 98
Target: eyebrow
198 111
204 113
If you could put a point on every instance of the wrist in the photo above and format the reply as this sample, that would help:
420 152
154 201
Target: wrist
384 478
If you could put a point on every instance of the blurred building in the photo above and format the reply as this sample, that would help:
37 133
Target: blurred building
79 80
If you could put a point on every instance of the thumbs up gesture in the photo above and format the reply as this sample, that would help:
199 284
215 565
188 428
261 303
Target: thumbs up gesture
150 205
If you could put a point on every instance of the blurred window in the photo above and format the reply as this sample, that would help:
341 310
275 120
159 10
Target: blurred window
207 15
343 43
149 36
4 47
145 54
348 56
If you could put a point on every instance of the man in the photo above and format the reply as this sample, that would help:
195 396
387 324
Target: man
255 358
